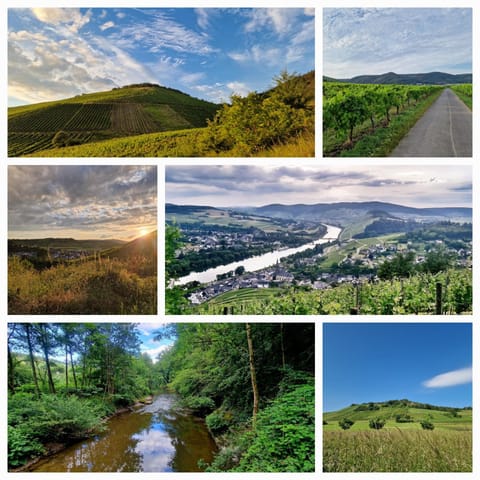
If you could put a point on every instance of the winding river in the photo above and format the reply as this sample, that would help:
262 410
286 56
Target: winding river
259 262
154 438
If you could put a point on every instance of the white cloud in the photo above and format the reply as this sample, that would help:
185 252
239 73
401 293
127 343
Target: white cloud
153 353
260 54
203 18
450 379
61 16
239 88
106 26
280 20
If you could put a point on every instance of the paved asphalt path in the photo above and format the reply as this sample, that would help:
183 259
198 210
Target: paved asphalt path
445 130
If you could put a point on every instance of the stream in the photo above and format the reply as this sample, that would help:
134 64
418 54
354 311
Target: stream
154 438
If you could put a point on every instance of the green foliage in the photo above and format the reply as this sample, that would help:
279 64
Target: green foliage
200 405
363 114
345 423
284 435
21 446
377 423
427 425
403 418
220 420
412 295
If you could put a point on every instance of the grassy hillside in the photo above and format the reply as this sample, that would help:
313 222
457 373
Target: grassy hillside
151 121
121 112
446 418
120 280
398 446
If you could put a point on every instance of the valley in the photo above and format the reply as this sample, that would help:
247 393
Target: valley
223 264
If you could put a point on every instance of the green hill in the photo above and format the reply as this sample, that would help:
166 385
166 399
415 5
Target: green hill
121 112
392 78
142 246
151 121
403 414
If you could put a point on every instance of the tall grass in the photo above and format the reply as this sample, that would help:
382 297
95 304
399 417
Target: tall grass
92 287
397 451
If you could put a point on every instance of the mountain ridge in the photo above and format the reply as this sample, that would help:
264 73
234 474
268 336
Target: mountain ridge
392 78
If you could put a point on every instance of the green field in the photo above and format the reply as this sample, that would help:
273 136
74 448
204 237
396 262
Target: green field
398 446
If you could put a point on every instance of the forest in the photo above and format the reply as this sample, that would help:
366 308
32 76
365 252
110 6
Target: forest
250 385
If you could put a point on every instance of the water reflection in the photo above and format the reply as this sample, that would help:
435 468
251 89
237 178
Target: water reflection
155 438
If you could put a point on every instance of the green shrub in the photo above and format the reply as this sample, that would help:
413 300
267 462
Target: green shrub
219 421
284 436
346 423
427 425
21 446
200 405
376 423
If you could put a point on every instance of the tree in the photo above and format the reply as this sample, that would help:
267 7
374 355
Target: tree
376 423
175 301
345 423
253 376
240 270
427 425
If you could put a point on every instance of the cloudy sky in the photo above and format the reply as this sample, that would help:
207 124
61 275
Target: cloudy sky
222 186
148 345
361 41
82 202
428 362
55 53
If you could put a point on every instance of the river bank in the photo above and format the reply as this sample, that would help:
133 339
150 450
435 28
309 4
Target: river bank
152 437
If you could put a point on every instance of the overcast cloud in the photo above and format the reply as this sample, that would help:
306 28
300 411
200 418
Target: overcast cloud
416 186
361 41
81 201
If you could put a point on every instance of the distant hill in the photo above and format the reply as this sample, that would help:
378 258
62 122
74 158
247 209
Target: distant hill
131 110
344 213
389 410
391 78
63 243
142 246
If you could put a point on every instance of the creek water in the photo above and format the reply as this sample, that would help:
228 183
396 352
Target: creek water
258 262
154 438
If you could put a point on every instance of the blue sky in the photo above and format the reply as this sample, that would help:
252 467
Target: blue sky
148 345
361 41
369 362
55 53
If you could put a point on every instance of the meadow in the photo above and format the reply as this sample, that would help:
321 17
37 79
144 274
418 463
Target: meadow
397 450
402 445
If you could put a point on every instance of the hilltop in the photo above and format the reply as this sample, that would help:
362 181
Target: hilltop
392 78
151 121
130 110
145 245
404 414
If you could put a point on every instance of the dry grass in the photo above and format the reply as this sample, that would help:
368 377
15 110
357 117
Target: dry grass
397 451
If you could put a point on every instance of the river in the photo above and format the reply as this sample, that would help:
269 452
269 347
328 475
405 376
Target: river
154 438
258 262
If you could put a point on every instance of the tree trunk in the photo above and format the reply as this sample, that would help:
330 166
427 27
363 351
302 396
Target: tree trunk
11 372
282 346
253 375
32 360
73 368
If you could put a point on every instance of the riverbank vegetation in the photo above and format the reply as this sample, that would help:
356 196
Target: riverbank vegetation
254 384
52 401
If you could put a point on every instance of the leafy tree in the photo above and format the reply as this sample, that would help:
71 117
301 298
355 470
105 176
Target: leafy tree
427 425
175 301
376 423
345 423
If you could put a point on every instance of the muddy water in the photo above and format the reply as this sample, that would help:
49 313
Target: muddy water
155 438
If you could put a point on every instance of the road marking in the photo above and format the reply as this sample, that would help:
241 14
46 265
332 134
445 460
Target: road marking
451 125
